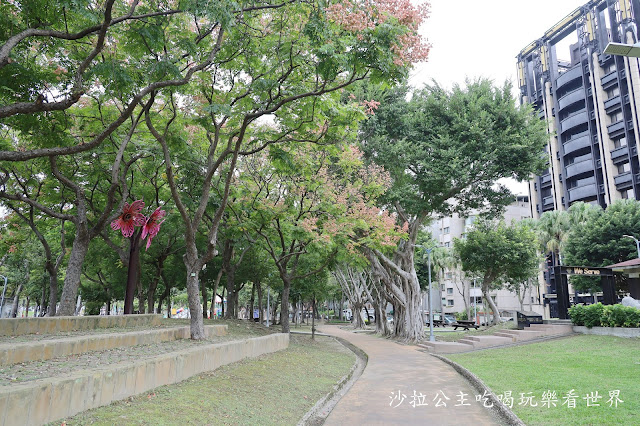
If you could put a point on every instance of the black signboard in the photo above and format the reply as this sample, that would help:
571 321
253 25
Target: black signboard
525 319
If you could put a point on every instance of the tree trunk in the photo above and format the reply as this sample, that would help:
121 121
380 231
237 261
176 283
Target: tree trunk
53 288
27 307
259 291
16 300
222 304
275 311
204 300
214 293
340 308
195 309
74 270
151 295
42 307
109 307
284 304
313 320
165 296
253 295
485 290
231 294
132 272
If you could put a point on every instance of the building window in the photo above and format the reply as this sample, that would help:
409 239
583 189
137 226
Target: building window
613 92
449 302
478 300
447 244
609 68
616 116
624 167
445 230
448 275
627 194
450 291
619 143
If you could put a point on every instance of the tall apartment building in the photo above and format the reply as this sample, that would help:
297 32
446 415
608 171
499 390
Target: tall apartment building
456 290
590 101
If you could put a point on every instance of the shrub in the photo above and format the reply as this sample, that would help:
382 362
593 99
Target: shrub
605 315
632 317
593 315
461 315
617 315
576 313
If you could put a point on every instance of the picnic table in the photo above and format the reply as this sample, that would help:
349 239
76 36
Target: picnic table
439 323
465 324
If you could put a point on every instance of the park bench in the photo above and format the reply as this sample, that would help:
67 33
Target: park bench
465 324
439 323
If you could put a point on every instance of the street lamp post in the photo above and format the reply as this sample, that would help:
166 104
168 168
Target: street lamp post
623 49
475 313
628 236
432 338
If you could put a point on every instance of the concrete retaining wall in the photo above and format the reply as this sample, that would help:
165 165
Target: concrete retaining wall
13 353
608 331
48 325
48 400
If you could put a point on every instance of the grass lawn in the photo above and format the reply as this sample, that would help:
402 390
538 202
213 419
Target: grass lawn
585 363
274 389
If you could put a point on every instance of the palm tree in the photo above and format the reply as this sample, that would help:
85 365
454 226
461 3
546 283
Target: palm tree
552 232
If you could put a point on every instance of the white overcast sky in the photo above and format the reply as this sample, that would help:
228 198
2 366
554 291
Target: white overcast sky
481 38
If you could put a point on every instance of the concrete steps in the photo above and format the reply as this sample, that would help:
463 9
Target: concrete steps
445 347
13 353
553 329
47 400
502 337
486 341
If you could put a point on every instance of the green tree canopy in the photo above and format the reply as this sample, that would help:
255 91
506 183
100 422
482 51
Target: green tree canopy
599 241
499 254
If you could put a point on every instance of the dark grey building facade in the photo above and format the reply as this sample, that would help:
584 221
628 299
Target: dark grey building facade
591 103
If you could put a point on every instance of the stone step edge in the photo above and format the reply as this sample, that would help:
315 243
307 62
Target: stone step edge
42 325
47 400
41 351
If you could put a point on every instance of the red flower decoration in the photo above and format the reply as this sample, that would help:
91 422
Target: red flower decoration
130 218
152 226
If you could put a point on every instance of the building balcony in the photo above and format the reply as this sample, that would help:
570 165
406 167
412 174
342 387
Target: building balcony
582 192
577 142
613 104
616 129
545 181
619 155
571 98
611 79
547 201
569 76
577 168
574 120
608 79
623 181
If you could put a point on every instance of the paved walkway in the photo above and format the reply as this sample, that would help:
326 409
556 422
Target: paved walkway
385 391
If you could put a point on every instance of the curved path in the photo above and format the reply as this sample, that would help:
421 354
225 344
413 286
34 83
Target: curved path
384 394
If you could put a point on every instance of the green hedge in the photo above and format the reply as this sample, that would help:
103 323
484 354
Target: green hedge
599 315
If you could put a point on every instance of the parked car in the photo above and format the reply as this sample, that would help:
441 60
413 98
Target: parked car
449 319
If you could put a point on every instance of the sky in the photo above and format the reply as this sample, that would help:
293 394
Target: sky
481 38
